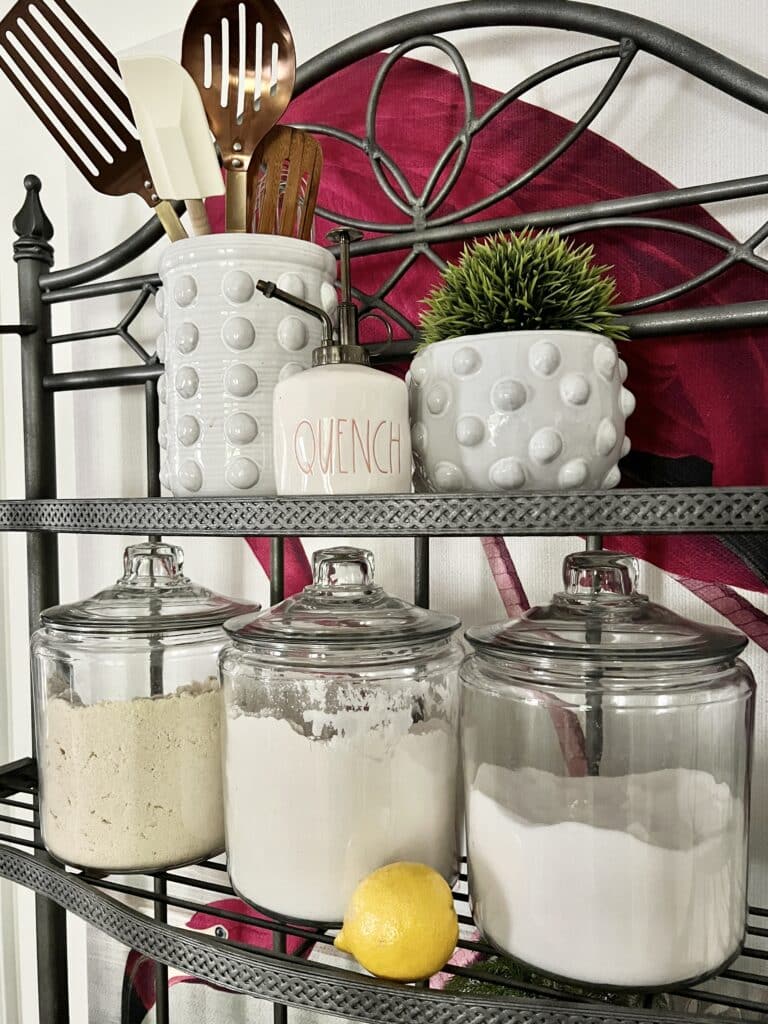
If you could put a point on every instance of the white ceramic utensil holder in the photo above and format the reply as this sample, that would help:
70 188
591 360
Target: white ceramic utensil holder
519 411
225 346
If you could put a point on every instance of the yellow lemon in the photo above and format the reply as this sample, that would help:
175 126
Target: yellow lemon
400 923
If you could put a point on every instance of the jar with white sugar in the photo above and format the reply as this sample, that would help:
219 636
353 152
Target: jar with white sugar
606 750
340 741
128 719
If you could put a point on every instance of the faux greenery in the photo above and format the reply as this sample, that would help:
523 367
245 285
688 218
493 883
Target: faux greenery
524 281
509 971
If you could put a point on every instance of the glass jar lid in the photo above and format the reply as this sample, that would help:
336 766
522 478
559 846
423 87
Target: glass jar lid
601 617
342 607
153 596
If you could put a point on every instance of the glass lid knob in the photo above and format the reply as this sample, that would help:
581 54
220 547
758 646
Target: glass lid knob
587 574
147 564
342 567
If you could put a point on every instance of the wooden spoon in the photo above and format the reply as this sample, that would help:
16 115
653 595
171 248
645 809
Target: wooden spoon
283 181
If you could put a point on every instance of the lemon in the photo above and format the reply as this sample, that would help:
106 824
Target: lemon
400 923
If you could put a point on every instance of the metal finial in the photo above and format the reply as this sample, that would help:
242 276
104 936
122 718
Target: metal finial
32 226
31 220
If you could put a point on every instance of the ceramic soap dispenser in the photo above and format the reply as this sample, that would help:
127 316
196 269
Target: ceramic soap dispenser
340 427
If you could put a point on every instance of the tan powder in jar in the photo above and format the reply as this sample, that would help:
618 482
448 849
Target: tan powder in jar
134 785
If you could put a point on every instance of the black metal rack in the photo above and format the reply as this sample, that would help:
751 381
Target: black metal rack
276 976
289 978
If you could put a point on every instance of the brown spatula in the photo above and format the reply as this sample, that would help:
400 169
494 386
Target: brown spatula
283 180
72 82
241 54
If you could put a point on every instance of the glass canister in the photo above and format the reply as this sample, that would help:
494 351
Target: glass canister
127 713
340 741
606 748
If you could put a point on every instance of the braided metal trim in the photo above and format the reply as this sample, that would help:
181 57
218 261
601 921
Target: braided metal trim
625 511
296 983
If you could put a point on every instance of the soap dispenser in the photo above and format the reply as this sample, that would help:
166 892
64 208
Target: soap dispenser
342 426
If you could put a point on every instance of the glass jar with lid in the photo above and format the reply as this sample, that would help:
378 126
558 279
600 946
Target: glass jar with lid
340 741
606 747
127 715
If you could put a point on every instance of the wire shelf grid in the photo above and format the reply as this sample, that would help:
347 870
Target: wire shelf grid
740 992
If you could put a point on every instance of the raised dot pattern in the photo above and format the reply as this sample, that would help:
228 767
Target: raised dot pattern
238 286
448 477
240 380
204 325
507 474
187 381
466 361
187 337
188 430
470 431
242 473
185 290
238 333
241 428
292 334
433 395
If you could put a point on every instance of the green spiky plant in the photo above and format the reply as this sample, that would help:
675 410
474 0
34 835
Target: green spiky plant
522 282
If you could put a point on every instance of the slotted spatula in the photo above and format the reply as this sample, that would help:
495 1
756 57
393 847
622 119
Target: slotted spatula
174 133
241 55
72 82
283 180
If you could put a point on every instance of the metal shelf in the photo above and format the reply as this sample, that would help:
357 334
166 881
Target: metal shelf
726 510
293 980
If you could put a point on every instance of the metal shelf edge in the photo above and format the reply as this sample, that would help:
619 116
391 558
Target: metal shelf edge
275 977
712 510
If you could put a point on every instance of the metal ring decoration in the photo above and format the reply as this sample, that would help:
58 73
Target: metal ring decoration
417 208
424 225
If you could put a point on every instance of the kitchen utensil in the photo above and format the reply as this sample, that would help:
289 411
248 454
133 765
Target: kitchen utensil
174 132
283 181
241 54
72 82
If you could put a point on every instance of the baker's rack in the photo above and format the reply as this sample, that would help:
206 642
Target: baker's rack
289 980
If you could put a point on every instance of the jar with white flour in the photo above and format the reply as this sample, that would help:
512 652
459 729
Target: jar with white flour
606 745
128 719
340 741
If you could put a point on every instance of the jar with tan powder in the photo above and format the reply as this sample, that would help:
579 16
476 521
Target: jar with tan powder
127 715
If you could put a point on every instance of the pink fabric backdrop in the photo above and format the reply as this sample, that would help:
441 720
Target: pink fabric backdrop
695 393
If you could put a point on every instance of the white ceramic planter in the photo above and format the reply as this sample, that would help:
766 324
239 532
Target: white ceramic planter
529 410
225 346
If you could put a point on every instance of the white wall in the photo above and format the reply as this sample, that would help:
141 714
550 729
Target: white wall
660 115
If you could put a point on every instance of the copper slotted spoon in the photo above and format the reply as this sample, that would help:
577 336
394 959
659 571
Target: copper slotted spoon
71 81
241 54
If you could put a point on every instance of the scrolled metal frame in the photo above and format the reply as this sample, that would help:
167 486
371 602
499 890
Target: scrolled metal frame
424 226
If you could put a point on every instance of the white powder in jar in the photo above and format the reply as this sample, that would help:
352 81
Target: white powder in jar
308 818
134 785
643 886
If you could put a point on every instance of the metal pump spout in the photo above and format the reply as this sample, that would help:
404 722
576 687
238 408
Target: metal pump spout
347 308
347 349
271 291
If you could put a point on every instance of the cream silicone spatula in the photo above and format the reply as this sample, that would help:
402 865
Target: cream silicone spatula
174 133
